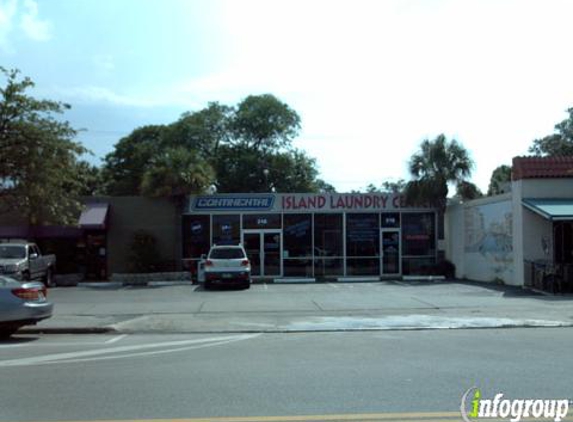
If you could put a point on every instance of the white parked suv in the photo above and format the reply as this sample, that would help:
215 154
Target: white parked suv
227 265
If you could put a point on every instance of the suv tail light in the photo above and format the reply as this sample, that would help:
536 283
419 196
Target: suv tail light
208 263
29 293
245 262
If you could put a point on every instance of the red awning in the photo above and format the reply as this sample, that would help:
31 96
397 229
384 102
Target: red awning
94 216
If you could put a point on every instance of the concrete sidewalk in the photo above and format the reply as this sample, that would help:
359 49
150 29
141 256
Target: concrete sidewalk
186 308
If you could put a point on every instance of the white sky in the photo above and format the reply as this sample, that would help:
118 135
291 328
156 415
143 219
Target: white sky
370 79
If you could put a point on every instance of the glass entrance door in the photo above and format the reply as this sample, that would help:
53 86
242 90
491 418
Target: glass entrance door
391 252
264 249
252 245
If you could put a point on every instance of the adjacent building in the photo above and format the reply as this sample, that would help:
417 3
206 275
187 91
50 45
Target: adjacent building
523 237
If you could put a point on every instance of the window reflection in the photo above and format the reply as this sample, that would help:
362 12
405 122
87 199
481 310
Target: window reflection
418 234
327 235
297 234
362 235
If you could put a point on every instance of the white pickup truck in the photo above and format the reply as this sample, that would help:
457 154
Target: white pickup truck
24 261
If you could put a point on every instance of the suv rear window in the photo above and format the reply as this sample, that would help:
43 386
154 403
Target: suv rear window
227 253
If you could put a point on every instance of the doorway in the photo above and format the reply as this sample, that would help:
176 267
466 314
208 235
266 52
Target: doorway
264 250
391 252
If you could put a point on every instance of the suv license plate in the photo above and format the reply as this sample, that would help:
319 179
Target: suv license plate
227 275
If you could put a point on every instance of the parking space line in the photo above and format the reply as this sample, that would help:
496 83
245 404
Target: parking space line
116 339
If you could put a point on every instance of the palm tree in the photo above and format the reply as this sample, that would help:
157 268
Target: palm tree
437 164
175 173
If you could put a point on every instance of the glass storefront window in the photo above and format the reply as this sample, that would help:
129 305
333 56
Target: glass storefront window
362 235
297 235
363 266
328 267
196 235
226 229
327 235
418 234
261 221
297 267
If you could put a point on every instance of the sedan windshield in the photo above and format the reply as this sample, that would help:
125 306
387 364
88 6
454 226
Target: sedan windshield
227 253
12 252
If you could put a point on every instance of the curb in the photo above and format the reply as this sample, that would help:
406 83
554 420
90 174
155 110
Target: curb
66 330
108 330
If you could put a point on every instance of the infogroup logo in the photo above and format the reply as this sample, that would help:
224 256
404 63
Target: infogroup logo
474 407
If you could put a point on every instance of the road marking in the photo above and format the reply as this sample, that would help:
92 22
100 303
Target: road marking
387 417
265 286
115 339
131 351
139 354
332 285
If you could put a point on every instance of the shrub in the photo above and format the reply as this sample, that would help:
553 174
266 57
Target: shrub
144 256
446 268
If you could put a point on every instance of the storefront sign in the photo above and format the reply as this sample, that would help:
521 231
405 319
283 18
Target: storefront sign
234 203
342 202
297 202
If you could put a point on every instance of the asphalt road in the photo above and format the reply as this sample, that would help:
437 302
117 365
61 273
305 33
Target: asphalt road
119 377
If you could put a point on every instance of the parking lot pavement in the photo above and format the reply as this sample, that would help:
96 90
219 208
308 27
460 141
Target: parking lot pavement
189 308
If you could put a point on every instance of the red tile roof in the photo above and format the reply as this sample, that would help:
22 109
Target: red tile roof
541 167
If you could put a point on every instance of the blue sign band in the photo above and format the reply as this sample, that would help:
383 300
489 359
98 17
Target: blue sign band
234 203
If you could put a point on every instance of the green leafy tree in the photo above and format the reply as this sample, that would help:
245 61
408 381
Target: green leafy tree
202 131
437 164
292 171
323 187
559 143
388 186
177 172
88 180
242 169
468 191
248 147
264 123
371 188
38 156
500 177
123 168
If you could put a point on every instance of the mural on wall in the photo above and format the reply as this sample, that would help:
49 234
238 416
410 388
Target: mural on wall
488 236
